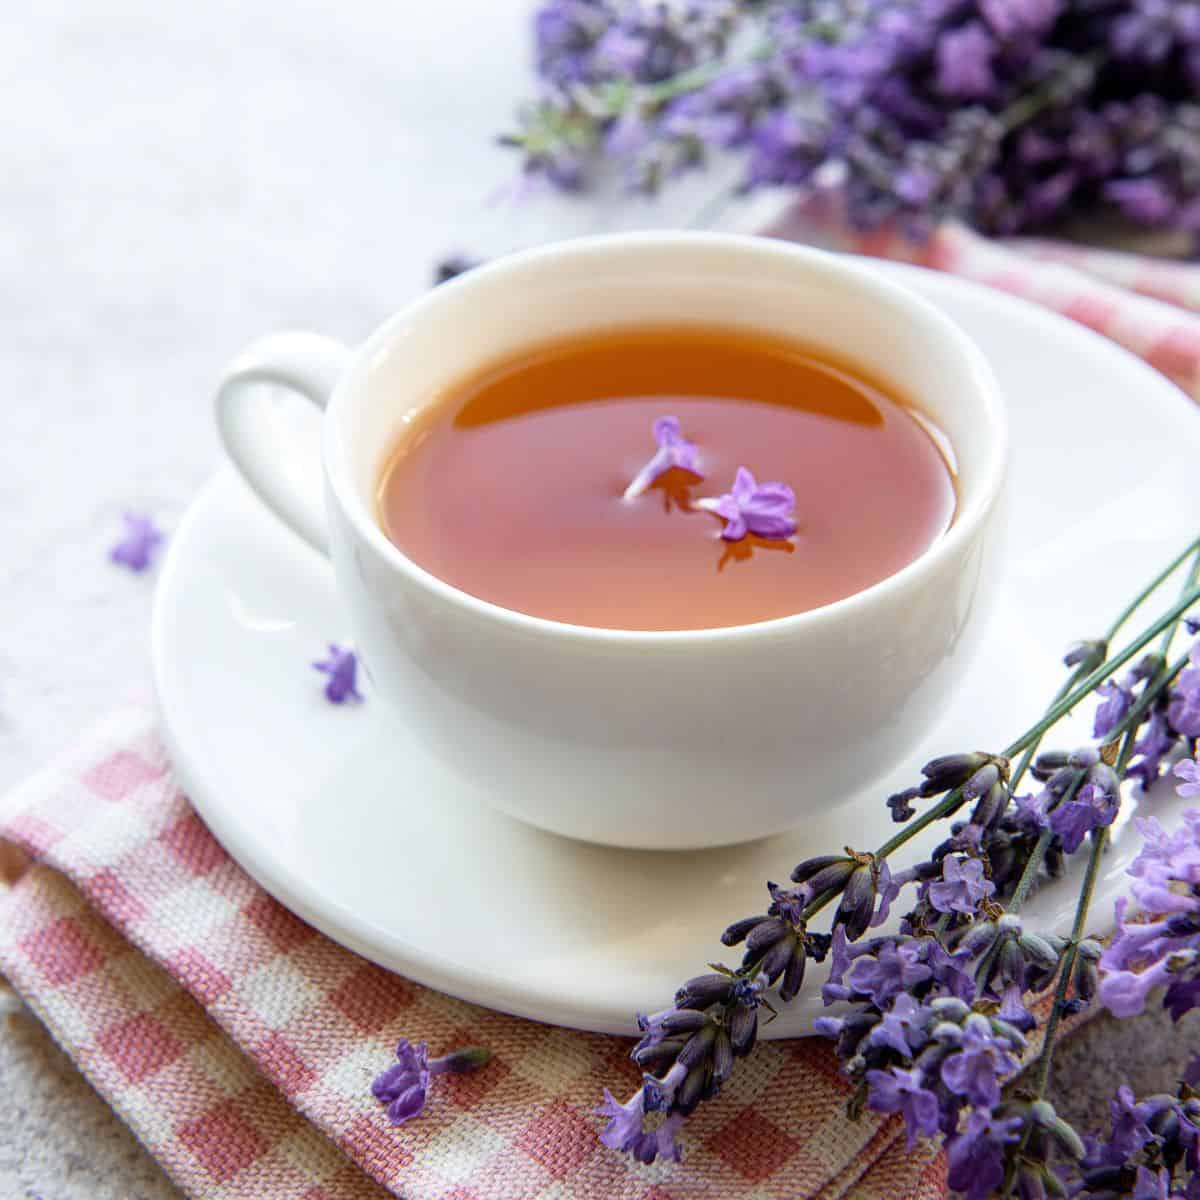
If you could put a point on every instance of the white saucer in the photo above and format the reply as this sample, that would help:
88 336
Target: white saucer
344 818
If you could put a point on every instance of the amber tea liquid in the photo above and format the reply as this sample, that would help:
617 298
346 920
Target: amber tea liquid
510 485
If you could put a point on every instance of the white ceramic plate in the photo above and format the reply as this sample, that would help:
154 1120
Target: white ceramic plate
341 814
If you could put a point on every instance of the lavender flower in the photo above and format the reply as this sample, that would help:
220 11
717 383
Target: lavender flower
342 668
139 543
764 510
897 1090
1184 708
1095 806
624 1130
674 452
404 1085
961 887
1189 771
976 1155
1160 945
1117 701
975 1069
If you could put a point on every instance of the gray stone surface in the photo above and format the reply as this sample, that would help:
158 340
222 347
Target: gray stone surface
177 179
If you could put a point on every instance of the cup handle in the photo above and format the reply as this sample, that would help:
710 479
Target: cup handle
268 450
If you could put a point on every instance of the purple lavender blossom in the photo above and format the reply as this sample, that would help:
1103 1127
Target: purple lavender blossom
1094 806
1160 946
1183 711
674 451
1114 707
964 62
765 510
982 1057
1155 741
342 668
894 969
1006 114
404 1085
898 1090
901 1027
624 1130
1013 1011
976 1154
1189 771
961 887
139 543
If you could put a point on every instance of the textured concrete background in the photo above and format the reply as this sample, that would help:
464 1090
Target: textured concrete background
177 179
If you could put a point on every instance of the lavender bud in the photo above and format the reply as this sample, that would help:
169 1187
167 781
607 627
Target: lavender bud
1083 757
812 866
1085 975
1038 951
657 1056
980 938
1007 967
1087 654
743 1029
765 933
722 1058
690 1091
686 1020
793 975
1005 1030
950 1008
1047 763
738 930
858 902
777 958
950 771
696 1050
982 781
704 990
990 807
831 878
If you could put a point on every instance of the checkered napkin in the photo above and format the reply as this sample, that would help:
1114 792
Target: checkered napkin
239 1044
1150 306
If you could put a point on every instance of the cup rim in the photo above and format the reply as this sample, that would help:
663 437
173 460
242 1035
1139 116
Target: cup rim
986 486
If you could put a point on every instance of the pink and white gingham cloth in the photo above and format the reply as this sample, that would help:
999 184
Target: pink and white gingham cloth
239 1044
1150 306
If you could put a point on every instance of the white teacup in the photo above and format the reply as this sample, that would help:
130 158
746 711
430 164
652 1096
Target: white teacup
646 739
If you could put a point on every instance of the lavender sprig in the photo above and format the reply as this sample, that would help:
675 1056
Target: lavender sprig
937 1012
1006 116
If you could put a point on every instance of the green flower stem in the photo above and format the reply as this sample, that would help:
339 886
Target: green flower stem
1067 966
1155 584
1057 711
1045 1059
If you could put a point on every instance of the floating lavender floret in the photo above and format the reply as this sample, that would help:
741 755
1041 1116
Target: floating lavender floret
674 450
765 510
137 547
342 668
